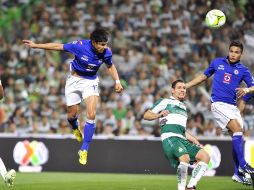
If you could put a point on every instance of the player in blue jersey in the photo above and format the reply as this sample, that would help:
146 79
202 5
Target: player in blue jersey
82 83
8 176
228 74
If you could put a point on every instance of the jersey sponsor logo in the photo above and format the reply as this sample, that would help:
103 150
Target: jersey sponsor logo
221 67
180 149
84 57
236 72
77 42
227 78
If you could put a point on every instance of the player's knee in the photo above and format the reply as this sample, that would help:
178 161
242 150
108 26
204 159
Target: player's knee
205 157
184 158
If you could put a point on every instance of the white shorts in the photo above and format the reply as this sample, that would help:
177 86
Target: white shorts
224 112
77 89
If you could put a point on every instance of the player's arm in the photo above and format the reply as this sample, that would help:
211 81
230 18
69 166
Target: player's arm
46 46
192 139
241 106
1 90
243 91
197 80
150 115
113 72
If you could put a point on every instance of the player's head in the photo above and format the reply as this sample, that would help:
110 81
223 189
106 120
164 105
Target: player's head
235 51
178 89
99 39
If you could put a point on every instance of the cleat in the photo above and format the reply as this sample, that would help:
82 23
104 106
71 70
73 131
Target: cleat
191 188
9 178
241 178
82 157
77 133
247 169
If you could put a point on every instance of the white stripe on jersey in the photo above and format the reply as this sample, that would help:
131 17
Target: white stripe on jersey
177 119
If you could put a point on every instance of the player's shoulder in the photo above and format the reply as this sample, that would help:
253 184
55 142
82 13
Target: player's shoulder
220 60
240 65
108 52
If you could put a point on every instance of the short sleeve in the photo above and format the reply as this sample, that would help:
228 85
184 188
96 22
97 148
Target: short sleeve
73 47
210 70
247 97
159 106
108 57
247 77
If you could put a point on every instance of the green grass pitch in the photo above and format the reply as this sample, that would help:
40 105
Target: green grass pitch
99 181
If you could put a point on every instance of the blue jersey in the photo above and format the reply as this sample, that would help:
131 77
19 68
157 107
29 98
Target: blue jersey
227 77
87 61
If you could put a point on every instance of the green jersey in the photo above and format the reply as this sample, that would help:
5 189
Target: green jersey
174 124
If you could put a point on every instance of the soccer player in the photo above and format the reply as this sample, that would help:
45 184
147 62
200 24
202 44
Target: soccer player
228 74
180 147
82 83
10 175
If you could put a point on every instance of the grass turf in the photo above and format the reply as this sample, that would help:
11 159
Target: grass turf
94 181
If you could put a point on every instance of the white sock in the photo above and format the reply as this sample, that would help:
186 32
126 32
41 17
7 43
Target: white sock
197 173
182 173
2 169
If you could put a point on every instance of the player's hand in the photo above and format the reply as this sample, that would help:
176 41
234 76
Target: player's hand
242 91
29 43
164 113
118 87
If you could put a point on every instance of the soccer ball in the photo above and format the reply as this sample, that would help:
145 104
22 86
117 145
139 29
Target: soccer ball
215 18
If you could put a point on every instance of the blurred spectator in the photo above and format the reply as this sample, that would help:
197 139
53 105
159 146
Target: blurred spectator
153 42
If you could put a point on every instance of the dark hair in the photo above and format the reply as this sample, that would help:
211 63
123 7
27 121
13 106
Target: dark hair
99 35
236 43
175 83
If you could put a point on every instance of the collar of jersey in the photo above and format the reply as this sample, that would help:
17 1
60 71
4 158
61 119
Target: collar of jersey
236 64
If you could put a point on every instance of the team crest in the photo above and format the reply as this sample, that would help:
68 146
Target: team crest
236 72
227 78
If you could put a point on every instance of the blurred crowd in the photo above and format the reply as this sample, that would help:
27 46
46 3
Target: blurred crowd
154 42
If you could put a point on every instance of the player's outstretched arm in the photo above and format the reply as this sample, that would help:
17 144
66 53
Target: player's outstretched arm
197 80
47 46
150 115
113 72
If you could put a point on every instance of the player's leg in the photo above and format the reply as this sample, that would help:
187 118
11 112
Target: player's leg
238 176
7 176
89 128
237 141
182 171
203 158
73 99
3 170
73 121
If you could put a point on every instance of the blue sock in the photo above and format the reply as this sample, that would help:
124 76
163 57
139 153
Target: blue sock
236 163
237 141
73 122
88 134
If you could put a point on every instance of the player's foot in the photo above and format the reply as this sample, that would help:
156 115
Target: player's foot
191 188
82 157
77 133
9 178
240 178
247 169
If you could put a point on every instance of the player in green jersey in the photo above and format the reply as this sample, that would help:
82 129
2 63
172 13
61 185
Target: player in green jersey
180 147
